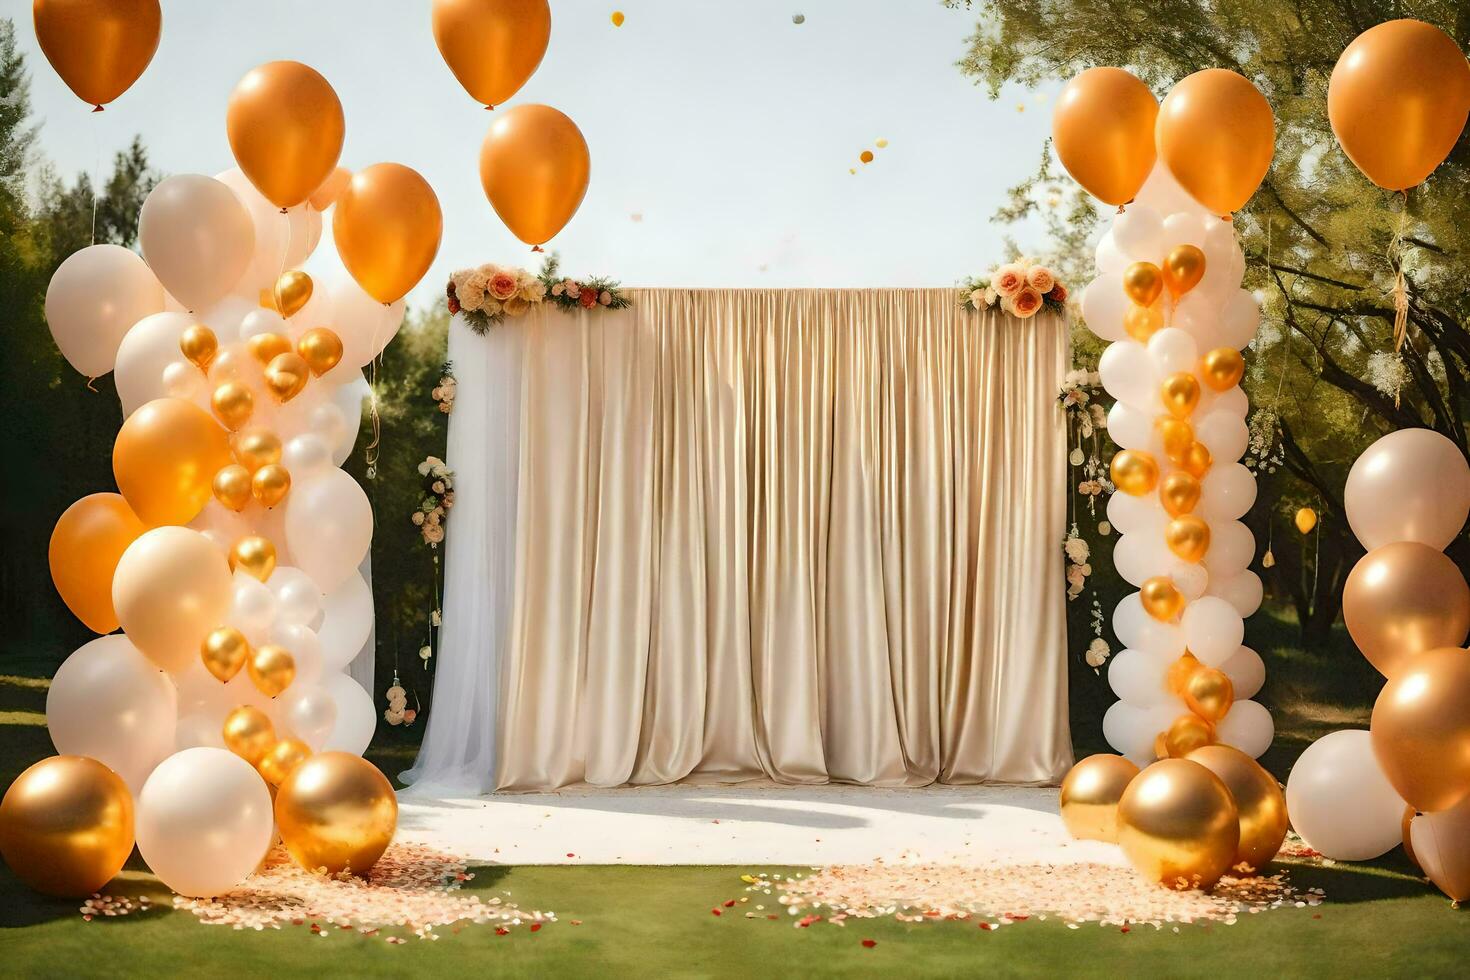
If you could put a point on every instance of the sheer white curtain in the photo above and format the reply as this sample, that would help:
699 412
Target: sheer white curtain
458 753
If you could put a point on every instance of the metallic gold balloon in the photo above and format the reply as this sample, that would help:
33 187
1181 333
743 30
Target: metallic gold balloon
492 46
224 651
286 375
336 811
387 226
534 167
321 349
1421 729
248 733
292 291
1209 693
266 347
285 127
1161 598
1176 678
232 487
1178 825
1142 322
254 555
199 345
270 484
1103 131
1184 267
1178 439
1216 135
1222 368
1143 283
164 459
1404 830
1180 394
1259 801
1187 733
86 545
1188 537
1197 460
284 756
1179 493
1134 472
1402 599
1090 795
271 668
1306 519
66 826
255 448
233 404
98 47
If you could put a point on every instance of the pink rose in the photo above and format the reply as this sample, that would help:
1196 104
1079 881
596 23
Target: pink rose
572 289
588 299
1026 303
605 298
1039 278
503 286
409 715
1008 280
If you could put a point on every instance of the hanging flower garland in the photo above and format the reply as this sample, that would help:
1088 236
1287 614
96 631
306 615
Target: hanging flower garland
438 498
1080 397
1022 288
444 392
488 294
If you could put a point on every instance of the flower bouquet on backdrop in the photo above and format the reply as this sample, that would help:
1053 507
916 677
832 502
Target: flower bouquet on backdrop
487 294
1021 288
444 392
437 500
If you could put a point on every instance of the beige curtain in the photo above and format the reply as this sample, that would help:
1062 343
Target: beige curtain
808 535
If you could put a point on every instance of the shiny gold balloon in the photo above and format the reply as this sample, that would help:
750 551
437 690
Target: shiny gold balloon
66 826
1222 368
1103 131
254 555
86 545
1187 733
492 46
164 459
336 811
321 349
284 756
1405 831
1142 322
1180 394
1179 493
1143 283
1161 598
266 347
1188 537
286 375
1178 826
271 668
198 344
98 47
534 167
1397 101
270 484
1178 438
1402 599
1134 472
1090 795
1184 267
232 487
1197 460
286 128
233 404
1421 729
1176 679
1209 693
224 651
1259 801
292 291
387 226
248 733
255 448
1216 135
1306 519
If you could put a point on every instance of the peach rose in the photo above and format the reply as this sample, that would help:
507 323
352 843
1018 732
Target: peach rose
1008 280
502 285
1058 293
1025 303
1039 278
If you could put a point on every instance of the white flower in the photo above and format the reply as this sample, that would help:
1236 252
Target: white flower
1076 457
1097 652
1077 550
977 299
990 296
1105 528
438 469
425 653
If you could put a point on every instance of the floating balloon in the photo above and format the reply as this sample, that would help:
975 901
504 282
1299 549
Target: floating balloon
1410 485
1185 734
1222 368
224 652
1197 460
336 811
321 349
66 826
1180 394
1441 846
196 237
1178 825
164 458
172 586
254 555
271 668
329 525
1259 802
266 347
233 404
1143 283
1340 801
286 128
1161 599
231 486
1134 473
283 757
286 375
1216 135
1188 537
1090 795
387 226
1184 267
270 484
1306 519
534 167
292 291
86 545
1179 492
1209 693
1421 729
492 46
1403 599
94 298
1103 130
98 47
248 733
281 241
255 448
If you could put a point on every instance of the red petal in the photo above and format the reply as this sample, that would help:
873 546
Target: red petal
870 943
535 927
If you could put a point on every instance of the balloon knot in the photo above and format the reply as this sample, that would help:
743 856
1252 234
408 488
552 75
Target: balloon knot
489 108
1228 217
96 108
1120 209
537 248
284 211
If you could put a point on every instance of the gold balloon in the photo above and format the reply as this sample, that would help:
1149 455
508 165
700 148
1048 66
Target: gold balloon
255 448
1180 394
271 668
1090 795
326 195
321 349
1216 135
1178 826
286 375
1143 283
534 167
284 756
1179 493
224 651
1184 267
1187 733
387 225
165 456
1134 472
248 733
1259 801
1176 679
285 127
66 826
1188 537
1306 519
336 811
199 345
492 46
233 404
1142 322
1196 460
1402 599
1103 131
1222 368
266 347
1443 849
1209 693
1161 598
1421 729
292 291
1397 101
98 47
232 487
270 484
254 555
1405 831
85 547
1178 438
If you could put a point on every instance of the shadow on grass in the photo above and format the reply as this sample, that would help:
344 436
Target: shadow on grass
1352 883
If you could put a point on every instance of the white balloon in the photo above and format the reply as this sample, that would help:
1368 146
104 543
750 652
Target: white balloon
298 597
347 622
1131 428
1247 673
1135 628
1224 434
329 526
261 321
1232 547
1220 248
1138 677
349 399
305 455
1190 579
1212 630
1103 306
282 241
1199 316
1172 350
183 380
364 325
221 525
1242 590
310 713
111 703
1239 317
1410 485
197 238
1130 514
1185 228
305 649
1131 730
1341 802
1226 493
203 821
356 716
252 607
1138 233
93 299
1230 400
1107 257
146 350
327 422
226 316
1164 194
199 730
1248 727
1140 555
1127 373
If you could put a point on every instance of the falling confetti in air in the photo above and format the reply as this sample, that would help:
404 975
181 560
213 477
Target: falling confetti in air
866 156
636 217
617 18
852 170
882 144
798 18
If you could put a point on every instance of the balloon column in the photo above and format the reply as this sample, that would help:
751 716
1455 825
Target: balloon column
230 556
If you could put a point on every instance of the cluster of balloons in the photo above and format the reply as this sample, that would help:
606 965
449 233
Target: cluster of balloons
230 555
1356 794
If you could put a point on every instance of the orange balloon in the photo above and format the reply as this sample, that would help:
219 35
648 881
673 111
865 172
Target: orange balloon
534 166
1188 537
1143 282
1397 101
98 47
87 542
326 195
492 46
1103 129
1216 135
387 226
1142 322
165 459
1161 598
1421 729
285 126
1402 599
1184 267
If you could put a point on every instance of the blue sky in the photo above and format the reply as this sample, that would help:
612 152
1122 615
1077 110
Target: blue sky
721 133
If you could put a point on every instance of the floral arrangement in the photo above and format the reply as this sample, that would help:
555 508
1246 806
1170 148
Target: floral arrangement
487 294
444 392
1021 288
438 498
398 711
1081 398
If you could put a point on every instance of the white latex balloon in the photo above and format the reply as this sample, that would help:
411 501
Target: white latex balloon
1172 350
252 607
1131 730
1341 802
1137 629
1226 493
1138 233
349 398
1200 317
1132 428
305 455
1230 400
1224 434
183 380
1190 579
329 526
199 730
109 702
262 321
298 597
146 350
1248 727
1138 677
1185 228
1232 546
171 587
1140 555
1219 246
1410 485
1242 590
310 712
1212 629
1103 306
347 622
221 525
1107 257
197 238
226 316
364 325
1163 193
1130 514
1247 672
305 649
282 241
356 716
94 298
203 821
1239 317
1127 373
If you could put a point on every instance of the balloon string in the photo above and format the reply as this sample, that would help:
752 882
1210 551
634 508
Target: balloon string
1400 287
91 386
285 255
96 171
